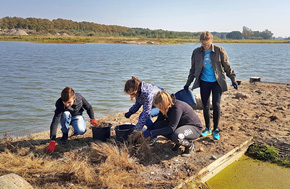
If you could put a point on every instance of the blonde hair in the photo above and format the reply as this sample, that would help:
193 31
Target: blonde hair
206 37
132 85
164 99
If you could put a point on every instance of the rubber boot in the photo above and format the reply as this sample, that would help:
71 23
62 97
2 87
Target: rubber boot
189 146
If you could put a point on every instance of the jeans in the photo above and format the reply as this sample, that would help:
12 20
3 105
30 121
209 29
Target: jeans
78 122
154 112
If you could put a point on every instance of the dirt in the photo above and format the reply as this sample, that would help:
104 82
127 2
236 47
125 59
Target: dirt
104 124
260 110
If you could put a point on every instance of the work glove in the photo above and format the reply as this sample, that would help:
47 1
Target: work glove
147 134
235 85
51 147
94 122
185 87
128 114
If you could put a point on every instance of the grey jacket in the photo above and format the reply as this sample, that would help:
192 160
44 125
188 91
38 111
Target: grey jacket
220 64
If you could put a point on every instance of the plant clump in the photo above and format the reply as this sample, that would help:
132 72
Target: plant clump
268 153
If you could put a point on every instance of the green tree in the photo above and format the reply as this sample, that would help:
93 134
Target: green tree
247 33
235 35
267 34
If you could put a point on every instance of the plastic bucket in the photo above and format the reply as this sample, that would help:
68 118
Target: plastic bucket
102 133
123 132
186 96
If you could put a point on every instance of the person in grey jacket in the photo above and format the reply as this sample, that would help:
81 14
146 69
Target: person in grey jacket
209 67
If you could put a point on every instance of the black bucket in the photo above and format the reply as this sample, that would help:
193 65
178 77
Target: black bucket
123 132
102 133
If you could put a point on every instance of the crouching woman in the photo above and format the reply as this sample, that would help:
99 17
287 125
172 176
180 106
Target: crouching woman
178 122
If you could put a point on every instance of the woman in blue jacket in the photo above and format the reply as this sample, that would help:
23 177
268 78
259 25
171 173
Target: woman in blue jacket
144 94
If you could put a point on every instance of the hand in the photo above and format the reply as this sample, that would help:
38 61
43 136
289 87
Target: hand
147 134
94 122
186 87
235 84
51 147
128 114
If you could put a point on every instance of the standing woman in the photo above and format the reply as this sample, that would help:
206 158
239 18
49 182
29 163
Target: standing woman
209 63
144 94
177 121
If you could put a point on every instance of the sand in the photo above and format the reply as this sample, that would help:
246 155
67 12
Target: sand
260 110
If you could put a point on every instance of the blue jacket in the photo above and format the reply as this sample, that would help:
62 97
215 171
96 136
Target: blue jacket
145 98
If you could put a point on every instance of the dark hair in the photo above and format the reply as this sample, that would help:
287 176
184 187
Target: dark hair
67 93
132 85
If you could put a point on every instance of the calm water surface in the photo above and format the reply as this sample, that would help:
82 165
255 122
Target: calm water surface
33 75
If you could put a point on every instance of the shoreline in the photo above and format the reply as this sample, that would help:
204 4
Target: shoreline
122 40
261 112
197 96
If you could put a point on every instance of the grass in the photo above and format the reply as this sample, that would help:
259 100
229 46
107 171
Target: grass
268 153
88 165
122 40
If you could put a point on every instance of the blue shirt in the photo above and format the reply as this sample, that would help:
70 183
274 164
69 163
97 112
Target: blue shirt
207 73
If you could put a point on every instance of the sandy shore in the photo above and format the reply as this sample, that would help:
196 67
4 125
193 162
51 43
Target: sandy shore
260 110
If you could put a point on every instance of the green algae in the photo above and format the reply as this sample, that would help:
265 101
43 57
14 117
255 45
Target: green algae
250 173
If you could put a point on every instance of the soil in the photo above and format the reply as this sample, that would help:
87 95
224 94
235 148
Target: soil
258 110
104 124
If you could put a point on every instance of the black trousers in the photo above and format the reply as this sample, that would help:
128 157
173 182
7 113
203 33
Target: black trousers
206 88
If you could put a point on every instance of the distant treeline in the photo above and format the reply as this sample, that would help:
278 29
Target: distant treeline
37 26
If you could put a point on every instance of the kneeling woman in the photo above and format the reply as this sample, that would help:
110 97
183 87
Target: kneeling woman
177 122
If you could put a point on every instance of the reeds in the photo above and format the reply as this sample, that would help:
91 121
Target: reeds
100 165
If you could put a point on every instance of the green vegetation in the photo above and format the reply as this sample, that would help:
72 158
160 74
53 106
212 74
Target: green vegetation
265 152
122 40
68 31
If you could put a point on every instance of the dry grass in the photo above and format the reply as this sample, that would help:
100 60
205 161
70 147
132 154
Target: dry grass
102 165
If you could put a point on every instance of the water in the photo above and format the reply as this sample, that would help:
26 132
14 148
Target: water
33 75
250 173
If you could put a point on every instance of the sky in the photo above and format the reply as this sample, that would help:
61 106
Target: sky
171 15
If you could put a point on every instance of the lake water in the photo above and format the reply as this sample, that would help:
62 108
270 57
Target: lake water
33 75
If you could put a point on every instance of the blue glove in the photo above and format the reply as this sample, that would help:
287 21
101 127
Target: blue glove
235 84
185 87
128 114
147 134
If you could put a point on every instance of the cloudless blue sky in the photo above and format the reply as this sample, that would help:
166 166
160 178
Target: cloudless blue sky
173 15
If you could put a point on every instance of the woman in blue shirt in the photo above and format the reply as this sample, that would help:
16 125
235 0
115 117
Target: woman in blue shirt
209 65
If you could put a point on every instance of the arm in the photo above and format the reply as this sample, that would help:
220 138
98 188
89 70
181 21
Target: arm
55 121
191 75
53 127
174 118
135 107
226 65
89 108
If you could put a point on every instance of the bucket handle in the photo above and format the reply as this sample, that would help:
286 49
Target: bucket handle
124 129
